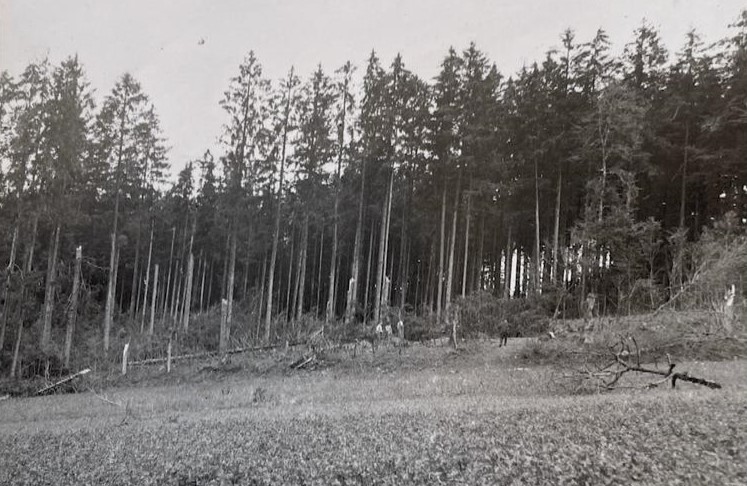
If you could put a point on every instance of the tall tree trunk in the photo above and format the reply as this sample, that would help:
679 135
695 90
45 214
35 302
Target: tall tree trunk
302 267
683 187
383 243
330 314
276 230
153 301
50 290
190 273
556 233
202 281
135 277
72 312
230 284
6 290
32 245
319 271
508 266
167 289
113 259
466 245
147 279
452 246
226 259
355 271
19 329
368 273
211 279
478 285
537 280
176 291
429 279
289 286
402 271
262 289
440 280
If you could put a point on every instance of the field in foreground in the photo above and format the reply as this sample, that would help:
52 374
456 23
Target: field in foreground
468 419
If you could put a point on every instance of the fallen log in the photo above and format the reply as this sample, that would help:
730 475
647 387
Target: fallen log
63 381
209 354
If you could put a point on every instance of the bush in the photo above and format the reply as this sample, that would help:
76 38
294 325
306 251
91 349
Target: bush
482 313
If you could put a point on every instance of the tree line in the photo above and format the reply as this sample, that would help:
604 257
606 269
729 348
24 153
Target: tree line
341 195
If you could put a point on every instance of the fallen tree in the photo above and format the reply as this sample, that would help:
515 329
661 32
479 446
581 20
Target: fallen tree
68 379
624 357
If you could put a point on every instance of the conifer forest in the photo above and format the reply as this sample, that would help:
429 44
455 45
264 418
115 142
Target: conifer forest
599 179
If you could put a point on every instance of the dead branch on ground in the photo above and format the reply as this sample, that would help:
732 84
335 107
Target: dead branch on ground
625 357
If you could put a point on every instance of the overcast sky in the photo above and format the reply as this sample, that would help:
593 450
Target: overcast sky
160 41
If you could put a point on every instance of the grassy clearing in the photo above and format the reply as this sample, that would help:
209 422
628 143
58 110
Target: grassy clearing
426 416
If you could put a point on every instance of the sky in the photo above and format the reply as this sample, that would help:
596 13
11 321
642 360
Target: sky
184 52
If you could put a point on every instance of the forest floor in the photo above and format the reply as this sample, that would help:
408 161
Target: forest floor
416 415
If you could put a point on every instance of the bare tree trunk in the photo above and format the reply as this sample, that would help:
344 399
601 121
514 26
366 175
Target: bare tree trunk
224 327
440 280
368 273
683 187
289 287
230 283
19 330
429 279
480 255
147 279
466 246
168 279
508 266
330 314
202 282
262 290
50 290
383 243
355 272
6 291
177 290
302 267
190 273
32 246
72 312
153 302
276 231
405 282
226 259
403 255
211 278
452 246
319 271
135 280
112 286
556 233
537 280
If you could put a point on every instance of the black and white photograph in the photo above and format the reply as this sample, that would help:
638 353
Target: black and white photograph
396 242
